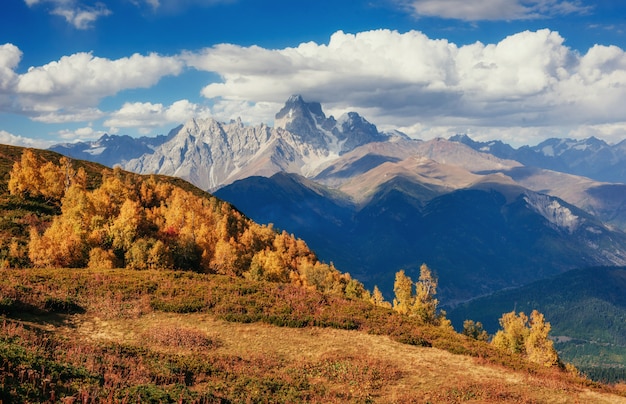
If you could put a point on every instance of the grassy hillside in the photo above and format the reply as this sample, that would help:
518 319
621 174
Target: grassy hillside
587 310
165 336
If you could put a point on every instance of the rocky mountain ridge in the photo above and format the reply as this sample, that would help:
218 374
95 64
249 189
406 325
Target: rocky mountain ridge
591 157
212 154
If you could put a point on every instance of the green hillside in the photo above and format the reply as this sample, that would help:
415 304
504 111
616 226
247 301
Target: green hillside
587 310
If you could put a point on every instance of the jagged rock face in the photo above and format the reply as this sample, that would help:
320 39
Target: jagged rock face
211 154
355 131
339 136
304 119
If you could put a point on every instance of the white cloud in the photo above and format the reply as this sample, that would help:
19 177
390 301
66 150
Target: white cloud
527 80
249 112
612 133
84 133
72 87
10 57
69 115
82 18
96 77
526 86
146 116
75 13
493 10
16 140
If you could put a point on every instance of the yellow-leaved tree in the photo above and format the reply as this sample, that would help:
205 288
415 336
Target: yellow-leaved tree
25 178
403 290
425 303
377 298
421 304
475 330
539 348
526 336
34 177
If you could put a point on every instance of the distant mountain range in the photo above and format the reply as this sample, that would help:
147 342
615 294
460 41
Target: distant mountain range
112 150
591 157
482 238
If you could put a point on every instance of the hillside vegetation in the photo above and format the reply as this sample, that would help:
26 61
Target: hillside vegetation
117 287
164 336
114 219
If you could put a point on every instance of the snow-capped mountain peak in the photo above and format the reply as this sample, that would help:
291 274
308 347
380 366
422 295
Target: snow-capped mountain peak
338 136
212 154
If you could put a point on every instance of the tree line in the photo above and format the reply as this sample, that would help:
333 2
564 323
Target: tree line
135 222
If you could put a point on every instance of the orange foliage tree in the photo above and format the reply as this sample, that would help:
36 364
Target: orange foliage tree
143 223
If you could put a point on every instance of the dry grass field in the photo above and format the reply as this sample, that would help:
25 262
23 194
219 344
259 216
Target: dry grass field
366 366
122 336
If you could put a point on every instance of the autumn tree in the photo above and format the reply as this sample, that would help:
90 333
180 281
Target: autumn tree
403 290
377 298
421 304
32 176
62 245
25 177
539 348
526 336
425 303
102 259
475 330
512 336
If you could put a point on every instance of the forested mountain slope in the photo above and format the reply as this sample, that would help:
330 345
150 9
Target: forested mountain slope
587 310
58 216
491 235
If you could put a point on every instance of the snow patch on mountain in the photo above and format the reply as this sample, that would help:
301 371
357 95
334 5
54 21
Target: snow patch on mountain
548 151
561 217
96 151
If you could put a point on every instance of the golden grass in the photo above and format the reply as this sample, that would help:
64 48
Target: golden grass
414 374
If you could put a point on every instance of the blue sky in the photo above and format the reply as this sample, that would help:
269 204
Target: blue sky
516 70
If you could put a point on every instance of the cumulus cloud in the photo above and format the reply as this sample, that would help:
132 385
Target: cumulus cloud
492 10
79 15
84 133
250 113
10 57
66 115
146 116
527 86
527 80
71 88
